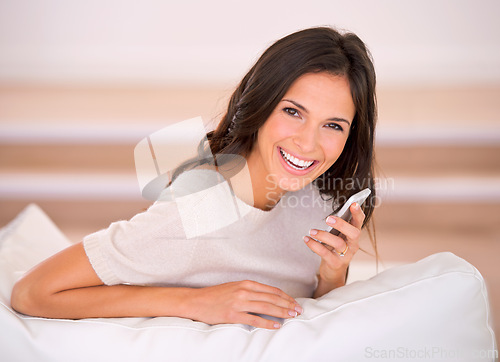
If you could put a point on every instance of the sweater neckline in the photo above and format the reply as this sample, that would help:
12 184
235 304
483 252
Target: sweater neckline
200 180
258 215
207 191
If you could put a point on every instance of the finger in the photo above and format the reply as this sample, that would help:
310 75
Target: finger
336 242
358 216
256 321
264 288
254 291
323 251
277 301
270 309
291 308
347 229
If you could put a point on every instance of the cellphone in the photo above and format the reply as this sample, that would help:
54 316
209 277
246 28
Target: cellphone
345 213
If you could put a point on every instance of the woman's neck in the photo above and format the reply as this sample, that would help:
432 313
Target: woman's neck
266 194
250 184
265 200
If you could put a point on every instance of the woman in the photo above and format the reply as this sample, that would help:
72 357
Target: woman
303 119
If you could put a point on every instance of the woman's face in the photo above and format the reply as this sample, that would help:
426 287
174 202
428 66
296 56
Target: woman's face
304 135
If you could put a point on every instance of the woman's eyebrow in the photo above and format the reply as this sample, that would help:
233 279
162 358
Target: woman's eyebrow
298 105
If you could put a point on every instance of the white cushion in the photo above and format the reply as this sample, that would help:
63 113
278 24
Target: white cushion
436 309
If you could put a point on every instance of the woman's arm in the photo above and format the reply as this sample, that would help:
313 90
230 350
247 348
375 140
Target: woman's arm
66 286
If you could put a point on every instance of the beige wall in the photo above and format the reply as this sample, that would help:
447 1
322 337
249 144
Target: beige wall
214 42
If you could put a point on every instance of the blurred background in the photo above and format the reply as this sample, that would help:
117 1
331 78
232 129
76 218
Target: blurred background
82 82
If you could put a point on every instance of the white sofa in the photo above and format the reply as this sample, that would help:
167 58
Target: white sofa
435 309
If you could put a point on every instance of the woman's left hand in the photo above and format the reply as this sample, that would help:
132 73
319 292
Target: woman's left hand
336 252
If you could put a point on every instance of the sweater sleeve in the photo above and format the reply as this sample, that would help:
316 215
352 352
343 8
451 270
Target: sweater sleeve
150 248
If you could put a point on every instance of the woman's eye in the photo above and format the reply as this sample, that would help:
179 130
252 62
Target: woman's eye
335 126
291 111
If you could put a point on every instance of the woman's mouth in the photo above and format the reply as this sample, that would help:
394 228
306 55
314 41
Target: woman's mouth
296 163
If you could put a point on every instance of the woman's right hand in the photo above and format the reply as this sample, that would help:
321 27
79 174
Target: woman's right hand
238 302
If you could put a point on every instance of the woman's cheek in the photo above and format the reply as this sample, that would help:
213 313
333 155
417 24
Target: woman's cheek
333 149
282 129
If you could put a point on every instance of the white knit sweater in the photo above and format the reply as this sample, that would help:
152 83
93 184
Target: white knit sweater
211 237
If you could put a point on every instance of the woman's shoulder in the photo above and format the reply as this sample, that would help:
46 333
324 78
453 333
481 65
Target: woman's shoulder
195 181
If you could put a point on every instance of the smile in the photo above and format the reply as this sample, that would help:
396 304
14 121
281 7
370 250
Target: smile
295 162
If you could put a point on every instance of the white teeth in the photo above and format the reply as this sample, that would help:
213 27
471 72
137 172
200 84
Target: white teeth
294 162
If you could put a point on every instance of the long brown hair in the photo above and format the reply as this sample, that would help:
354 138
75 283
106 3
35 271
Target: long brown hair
319 49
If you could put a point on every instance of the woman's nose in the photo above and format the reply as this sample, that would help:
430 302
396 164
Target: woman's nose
306 139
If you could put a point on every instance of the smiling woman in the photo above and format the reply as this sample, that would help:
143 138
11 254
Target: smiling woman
336 68
302 121
301 142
